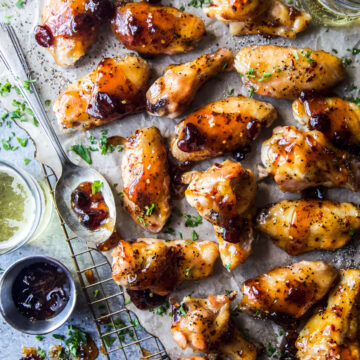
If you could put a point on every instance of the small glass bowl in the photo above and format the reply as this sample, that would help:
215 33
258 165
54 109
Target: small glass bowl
38 200
13 316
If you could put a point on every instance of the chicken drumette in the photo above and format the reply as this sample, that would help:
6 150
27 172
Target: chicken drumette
115 88
333 332
284 72
287 292
299 226
338 119
145 173
160 265
225 195
298 160
69 27
155 29
221 127
270 17
172 93
205 325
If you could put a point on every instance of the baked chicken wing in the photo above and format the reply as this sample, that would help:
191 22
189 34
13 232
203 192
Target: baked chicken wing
332 333
221 127
338 119
155 29
70 27
145 173
114 89
284 72
172 93
205 325
299 226
287 291
225 195
160 265
298 160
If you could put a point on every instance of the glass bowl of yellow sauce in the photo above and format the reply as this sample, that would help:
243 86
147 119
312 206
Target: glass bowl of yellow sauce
24 208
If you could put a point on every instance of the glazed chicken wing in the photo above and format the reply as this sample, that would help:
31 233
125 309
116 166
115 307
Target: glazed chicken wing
225 195
172 93
299 226
205 325
69 27
114 89
287 291
145 173
298 160
338 119
284 72
221 127
151 29
278 20
333 332
160 265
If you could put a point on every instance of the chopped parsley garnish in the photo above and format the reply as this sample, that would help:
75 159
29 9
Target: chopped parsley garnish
296 56
346 61
352 232
58 337
109 340
141 220
26 161
96 186
227 267
199 3
170 231
231 92
150 209
26 85
181 310
193 221
96 293
189 242
251 92
39 337
162 309
22 141
250 73
47 102
334 51
355 51
195 236
180 235
82 151
19 4
127 301
187 272
265 76
270 349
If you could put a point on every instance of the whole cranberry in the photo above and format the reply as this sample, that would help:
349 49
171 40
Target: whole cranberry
193 139
103 105
43 36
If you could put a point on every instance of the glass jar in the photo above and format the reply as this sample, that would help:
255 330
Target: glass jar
25 207
333 12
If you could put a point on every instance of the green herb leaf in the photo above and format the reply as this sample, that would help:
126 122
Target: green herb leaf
141 220
96 293
296 56
150 209
193 221
227 267
19 4
181 310
109 340
58 337
265 76
96 186
187 272
47 102
251 92
39 337
82 151
22 141
195 236
26 161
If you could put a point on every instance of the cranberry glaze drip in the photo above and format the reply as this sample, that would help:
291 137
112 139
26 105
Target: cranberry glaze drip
193 139
235 229
145 299
90 208
41 291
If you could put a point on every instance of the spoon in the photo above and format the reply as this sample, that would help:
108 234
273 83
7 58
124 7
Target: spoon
72 175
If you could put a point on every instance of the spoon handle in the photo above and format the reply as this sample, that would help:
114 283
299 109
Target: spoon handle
14 60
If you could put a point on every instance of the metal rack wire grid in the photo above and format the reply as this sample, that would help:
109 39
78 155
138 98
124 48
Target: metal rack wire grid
119 330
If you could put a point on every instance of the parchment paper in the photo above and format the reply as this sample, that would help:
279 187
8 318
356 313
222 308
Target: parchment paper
51 80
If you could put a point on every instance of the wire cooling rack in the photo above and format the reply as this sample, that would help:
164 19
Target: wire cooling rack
120 333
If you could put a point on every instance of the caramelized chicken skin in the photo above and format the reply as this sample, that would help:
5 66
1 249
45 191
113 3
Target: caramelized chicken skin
278 20
338 119
221 127
69 27
332 333
145 173
299 226
151 29
205 325
161 265
114 89
172 93
298 160
225 195
284 72
287 291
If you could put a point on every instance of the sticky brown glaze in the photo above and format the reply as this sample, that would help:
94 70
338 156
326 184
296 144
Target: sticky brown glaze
69 27
278 19
332 333
159 265
155 29
172 93
205 325
298 160
146 178
287 290
114 89
299 226
338 119
225 195
288 71
221 127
